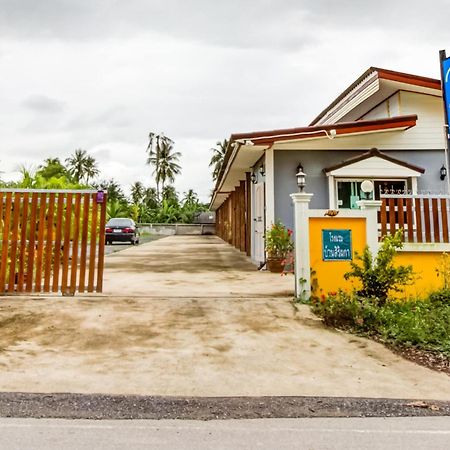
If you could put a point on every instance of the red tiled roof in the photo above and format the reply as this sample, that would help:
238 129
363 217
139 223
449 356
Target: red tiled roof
271 136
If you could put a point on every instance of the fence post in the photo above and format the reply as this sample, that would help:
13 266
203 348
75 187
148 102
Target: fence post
371 208
302 264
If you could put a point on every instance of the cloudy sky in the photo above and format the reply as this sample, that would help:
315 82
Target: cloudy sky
101 74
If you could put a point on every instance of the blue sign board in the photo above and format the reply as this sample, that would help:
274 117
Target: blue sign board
336 245
446 82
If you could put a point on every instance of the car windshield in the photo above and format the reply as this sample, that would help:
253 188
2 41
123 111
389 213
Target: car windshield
120 223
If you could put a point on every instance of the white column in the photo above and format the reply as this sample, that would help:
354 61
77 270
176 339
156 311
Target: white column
331 193
302 261
270 187
371 208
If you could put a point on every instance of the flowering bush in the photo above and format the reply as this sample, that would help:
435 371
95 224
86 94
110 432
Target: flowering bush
278 241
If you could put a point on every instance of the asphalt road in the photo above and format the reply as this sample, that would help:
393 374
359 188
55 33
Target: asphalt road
360 433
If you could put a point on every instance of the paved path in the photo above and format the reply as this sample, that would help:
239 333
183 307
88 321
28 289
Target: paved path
190 266
191 316
346 434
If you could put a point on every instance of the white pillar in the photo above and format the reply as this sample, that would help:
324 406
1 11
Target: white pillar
302 261
371 208
270 187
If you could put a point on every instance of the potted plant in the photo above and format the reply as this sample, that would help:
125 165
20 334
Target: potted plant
278 245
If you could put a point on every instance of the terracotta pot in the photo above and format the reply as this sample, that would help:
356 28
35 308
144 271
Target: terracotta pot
275 264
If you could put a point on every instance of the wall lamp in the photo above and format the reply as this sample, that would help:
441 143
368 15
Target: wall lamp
443 172
262 171
301 180
253 177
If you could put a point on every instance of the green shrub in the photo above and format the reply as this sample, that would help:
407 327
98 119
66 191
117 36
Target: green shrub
347 312
424 324
442 297
378 275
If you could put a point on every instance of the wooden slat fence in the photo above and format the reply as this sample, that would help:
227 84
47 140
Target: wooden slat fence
51 241
233 217
423 218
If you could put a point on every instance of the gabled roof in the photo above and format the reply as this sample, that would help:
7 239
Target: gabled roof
374 152
376 73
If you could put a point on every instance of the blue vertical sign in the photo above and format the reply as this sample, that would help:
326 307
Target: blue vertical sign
446 85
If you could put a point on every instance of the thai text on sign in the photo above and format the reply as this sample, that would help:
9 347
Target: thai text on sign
336 245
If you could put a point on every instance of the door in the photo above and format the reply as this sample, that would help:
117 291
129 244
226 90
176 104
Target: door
259 223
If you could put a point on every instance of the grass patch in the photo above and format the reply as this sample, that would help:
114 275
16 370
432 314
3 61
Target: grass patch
423 324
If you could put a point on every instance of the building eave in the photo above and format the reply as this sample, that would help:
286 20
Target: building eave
370 76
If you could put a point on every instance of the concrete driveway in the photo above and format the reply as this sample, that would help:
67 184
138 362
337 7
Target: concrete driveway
191 316
190 266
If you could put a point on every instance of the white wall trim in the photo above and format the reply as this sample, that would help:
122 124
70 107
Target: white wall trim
270 187
425 247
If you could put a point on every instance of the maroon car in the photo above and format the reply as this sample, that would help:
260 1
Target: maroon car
121 230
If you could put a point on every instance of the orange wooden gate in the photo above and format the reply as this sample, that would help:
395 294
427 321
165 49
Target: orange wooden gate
51 241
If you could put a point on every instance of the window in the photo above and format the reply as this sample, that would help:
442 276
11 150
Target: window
349 191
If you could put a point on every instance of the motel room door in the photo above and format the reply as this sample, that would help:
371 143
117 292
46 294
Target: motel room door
259 223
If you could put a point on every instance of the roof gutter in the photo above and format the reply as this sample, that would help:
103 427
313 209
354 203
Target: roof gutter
227 165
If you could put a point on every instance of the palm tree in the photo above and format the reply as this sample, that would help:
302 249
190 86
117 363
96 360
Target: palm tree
190 198
137 192
169 194
82 166
164 160
150 198
218 157
90 168
77 164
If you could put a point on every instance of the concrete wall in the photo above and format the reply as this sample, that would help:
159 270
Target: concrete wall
177 229
314 162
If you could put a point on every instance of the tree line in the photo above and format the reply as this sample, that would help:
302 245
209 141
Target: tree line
144 204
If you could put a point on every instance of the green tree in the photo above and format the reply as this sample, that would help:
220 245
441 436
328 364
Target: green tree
52 167
77 164
190 198
112 189
378 274
217 158
169 194
150 198
116 208
137 192
81 166
91 169
163 159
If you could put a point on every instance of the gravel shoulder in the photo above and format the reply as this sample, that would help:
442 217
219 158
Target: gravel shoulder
73 406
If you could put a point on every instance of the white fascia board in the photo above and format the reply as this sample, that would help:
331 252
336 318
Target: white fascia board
374 167
345 105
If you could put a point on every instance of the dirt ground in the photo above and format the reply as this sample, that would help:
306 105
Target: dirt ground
204 329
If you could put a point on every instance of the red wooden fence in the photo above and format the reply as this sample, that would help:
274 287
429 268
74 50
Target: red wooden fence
51 241
423 218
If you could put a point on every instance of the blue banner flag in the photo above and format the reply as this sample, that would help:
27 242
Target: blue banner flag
446 83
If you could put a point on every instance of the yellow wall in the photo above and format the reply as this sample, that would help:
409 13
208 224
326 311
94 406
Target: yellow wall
330 274
424 265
